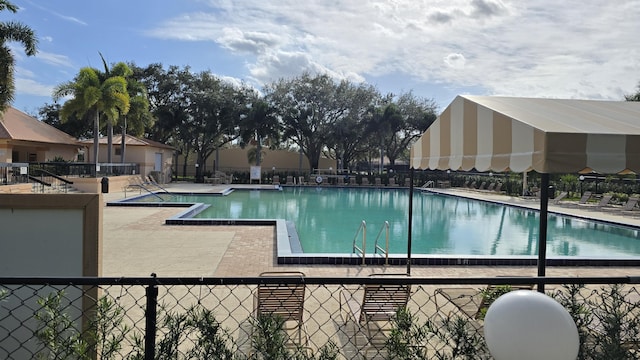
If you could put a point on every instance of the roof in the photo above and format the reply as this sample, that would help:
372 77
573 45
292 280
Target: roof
521 134
129 141
16 125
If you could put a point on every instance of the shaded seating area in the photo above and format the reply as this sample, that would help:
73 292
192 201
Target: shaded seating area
284 300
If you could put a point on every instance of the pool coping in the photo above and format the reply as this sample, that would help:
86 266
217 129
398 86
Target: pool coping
289 250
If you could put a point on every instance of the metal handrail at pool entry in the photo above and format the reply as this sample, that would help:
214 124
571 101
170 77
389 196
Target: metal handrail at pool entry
289 251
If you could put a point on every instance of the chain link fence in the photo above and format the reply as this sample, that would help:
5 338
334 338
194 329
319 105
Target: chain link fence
283 317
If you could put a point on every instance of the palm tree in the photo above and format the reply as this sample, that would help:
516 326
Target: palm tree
12 31
261 123
96 95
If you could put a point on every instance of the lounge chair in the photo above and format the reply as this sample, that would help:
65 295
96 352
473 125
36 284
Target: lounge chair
491 187
378 181
560 197
289 180
604 201
392 181
340 181
375 308
585 197
481 187
276 180
365 181
352 181
631 203
284 300
407 182
472 302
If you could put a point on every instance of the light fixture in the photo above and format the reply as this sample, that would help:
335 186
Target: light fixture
528 325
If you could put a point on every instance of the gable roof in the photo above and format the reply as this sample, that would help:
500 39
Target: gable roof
16 125
129 141
521 134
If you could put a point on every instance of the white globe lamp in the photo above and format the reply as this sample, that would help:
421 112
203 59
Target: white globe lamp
528 325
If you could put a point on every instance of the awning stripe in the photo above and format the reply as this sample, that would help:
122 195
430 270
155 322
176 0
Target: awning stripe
519 134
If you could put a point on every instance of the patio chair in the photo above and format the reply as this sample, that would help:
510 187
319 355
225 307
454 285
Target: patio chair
482 185
289 180
352 181
377 307
491 187
392 181
473 302
585 197
276 180
378 181
560 197
498 188
604 201
631 203
365 181
284 300
340 181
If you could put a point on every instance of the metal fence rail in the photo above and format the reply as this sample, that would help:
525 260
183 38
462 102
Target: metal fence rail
216 318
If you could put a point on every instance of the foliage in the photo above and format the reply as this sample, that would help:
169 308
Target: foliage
489 295
406 340
607 320
57 331
9 32
107 329
460 338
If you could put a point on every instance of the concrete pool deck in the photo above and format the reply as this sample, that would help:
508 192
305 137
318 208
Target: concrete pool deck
137 242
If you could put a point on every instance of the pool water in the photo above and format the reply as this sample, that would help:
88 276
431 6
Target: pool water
327 221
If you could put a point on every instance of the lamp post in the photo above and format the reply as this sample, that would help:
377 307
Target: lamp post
581 180
529 325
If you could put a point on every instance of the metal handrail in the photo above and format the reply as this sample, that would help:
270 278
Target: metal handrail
377 247
361 251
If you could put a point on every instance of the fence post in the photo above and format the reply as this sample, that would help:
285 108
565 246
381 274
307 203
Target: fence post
150 321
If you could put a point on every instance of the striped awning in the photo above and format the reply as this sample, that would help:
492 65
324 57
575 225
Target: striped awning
486 133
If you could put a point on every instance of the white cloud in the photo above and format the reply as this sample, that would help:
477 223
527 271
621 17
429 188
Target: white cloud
32 87
543 48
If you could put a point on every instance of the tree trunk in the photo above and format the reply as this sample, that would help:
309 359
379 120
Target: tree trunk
109 141
122 141
96 136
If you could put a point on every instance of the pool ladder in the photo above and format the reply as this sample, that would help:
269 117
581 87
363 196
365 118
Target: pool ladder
362 229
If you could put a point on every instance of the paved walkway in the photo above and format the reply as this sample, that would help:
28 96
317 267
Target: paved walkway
136 242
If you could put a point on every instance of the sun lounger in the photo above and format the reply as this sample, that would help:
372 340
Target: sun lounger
631 203
472 302
558 198
392 181
585 197
352 181
378 181
276 180
365 181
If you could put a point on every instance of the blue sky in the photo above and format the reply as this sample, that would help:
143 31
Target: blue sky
435 48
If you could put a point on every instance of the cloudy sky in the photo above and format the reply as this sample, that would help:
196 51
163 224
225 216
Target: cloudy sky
587 49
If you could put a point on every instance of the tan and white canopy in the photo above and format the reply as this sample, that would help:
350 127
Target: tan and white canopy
498 134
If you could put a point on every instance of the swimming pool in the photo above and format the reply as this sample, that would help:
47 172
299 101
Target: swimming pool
326 221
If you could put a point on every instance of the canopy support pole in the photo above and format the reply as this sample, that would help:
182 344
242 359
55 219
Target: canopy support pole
542 236
410 221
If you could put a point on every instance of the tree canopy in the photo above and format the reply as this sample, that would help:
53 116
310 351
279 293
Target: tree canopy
12 31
